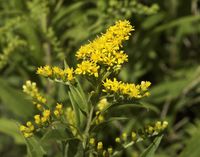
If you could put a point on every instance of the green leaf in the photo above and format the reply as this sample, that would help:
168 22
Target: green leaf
167 90
34 148
79 99
58 131
150 151
65 64
81 91
109 106
15 100
29 31
153 20
112 119
10 127
116 119
178 22
192 146
75 108
74 148
144 105
63 12
79 151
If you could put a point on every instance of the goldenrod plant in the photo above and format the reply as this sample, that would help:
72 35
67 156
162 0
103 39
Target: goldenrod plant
163 50
74 124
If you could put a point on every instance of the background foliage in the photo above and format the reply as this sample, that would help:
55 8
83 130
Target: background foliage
164 49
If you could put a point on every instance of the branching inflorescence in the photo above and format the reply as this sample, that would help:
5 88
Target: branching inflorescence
97 61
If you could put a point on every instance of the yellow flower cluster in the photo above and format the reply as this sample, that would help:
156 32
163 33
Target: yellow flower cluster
158 127
56 73
100 148
124 137
59 110
31 89
105 50
27 130
87 67
103 103
40 120
100 118
45 71
149 131
127 139
130 90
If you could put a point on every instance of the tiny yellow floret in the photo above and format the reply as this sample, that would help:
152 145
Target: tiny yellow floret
124 136
110 150
117 140
133 136
92 141
102 104
99 145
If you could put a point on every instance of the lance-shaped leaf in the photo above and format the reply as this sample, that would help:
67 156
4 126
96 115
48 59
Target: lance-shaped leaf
35 149
79 99
150 151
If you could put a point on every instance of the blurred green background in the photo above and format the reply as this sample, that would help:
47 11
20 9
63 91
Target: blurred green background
164 49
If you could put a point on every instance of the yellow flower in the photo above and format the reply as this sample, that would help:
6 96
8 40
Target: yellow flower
126 89
59 106
31 89
158 125
27 130
37 119
105 50
117 139
69 72
111 85
92 141
157 128
110 150
87 67
124 136
26 135
45 116
58 111
99 145
56 73
145 85
45 71
46 113
164 125
134 136
39 107
102 104
22 128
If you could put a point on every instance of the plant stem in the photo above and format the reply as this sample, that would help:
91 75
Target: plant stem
87 129
127 145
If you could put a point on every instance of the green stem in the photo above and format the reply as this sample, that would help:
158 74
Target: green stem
127 145
87 129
